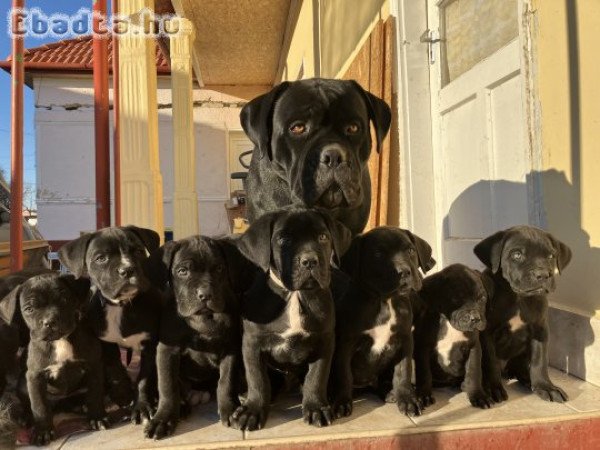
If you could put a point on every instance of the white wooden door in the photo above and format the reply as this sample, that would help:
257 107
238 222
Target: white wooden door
481 157
238 143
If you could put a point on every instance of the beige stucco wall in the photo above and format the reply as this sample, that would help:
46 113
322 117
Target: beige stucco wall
567 71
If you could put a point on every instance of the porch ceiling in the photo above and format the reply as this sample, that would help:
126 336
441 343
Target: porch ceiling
237 42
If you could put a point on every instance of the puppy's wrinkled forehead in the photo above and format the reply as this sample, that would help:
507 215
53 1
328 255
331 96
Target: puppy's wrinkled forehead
316 99
531 241
299 227
391 242
114 241
200 252
44 291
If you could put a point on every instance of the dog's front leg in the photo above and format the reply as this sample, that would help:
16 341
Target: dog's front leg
167 415
315 407
43 428
540 380
252 415
492 376
143 410
97 417
341 381
472 383
406 397
228 388
424 380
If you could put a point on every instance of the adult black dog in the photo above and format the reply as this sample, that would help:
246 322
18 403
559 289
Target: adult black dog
200 337
312 141
447 347
374 344
523 261
288 314
63 354
126 309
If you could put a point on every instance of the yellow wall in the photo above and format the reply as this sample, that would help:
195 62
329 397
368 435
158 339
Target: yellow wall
301 46
567 73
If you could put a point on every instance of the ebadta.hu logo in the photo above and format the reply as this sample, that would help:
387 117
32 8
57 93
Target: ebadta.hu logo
33 22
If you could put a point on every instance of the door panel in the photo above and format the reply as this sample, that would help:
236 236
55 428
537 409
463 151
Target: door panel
479 143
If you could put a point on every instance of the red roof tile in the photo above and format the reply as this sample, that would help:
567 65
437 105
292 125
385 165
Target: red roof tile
72 55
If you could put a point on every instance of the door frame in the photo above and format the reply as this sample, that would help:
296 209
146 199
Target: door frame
420 130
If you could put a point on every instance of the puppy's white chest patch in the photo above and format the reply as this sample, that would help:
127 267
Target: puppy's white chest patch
113 330
63 352
294 313
381 334
445 345
516 323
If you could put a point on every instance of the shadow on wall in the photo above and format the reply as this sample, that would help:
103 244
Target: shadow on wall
578 293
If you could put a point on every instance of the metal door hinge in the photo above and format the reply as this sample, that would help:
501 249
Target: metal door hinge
431 37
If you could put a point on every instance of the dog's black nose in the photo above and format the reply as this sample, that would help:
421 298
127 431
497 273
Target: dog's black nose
332 157
309 260
475 319
404 273
541 274
49 323
203 295
125 271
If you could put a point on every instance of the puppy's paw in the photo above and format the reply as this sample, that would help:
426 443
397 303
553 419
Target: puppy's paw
248 417
408 403
159 427
497 392
42 434
99 423
426 399
226 410
141 412
390 397
550 393
480 399
317 414
342 408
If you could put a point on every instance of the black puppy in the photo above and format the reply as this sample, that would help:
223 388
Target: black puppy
312 141
126 308
523 261
374 341
288 314
200 337
63 354
447 348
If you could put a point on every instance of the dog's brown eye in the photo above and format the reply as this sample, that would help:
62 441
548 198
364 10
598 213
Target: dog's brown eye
28 309
323 237
283 240
352 128
182 272
101 259
298 128
411 251
517 255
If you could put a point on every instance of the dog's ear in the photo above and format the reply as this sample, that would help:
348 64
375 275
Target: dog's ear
256 118
424 252
150 238
488 284
340 235
350 261
9 306
234 261
563 253
72 254
489 250
158 265
255 243
80 287
380 114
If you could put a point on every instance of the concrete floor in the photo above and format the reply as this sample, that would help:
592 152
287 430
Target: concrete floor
371 419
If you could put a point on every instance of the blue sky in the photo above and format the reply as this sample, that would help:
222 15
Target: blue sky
48 7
